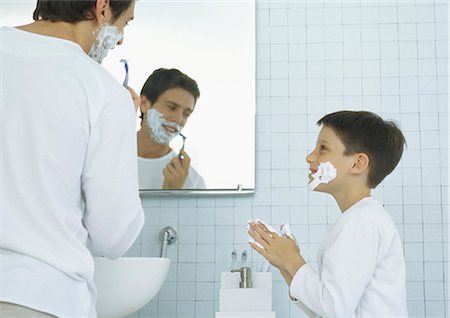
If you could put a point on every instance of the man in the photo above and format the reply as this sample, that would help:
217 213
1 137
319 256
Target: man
64 186
168 98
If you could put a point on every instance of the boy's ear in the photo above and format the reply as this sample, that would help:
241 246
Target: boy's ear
361 163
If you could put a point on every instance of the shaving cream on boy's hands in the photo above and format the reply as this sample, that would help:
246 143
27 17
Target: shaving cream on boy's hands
325 173
285 230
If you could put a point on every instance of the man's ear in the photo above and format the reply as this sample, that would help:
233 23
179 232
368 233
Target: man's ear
361 163
145 104
101 12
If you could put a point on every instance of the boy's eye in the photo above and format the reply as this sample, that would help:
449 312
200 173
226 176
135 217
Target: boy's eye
321 148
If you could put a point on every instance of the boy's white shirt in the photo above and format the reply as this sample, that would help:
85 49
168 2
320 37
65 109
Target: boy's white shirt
361 268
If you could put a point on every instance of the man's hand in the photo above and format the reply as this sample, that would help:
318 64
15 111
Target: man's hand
281 252
135 97
176 171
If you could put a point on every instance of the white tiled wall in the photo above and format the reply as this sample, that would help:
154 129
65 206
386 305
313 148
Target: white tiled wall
315 57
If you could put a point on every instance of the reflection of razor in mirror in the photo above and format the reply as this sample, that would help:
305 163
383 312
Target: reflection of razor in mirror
125 64
182 147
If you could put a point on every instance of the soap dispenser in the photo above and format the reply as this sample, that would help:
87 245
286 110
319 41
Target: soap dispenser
246 277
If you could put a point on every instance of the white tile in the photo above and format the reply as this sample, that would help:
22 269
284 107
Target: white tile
280 160
406 13
389 50
297 34
278 17
278 124
390 68
408 85
407 32
413 139
388 14
297 87
429 103
442 31
278 34
426 49
416 309
433 252
430 139
316 87
433 233
297 52
314 16
279 70
332 15
334 86
262 17
412 195
409 104
279 88
426 67
263 52
414 271
390 103
279 215
408 67
317 215
412 214
351 33
435 308
352 51
425 13
280 196
351 15
315 33
434 271
390 86
371 86
414 290
353 68
334 33
352 86
434 291
425 31
442 55
315 51
407 49
388 32
370 33
186 273
280 178
296 16
410 122
279 52
297 70
413 233
370 15
315 69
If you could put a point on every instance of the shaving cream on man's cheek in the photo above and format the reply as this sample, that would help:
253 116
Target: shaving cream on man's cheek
325 173
107 38
155 122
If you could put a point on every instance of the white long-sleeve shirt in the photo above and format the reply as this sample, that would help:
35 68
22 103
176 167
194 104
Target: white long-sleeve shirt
68 173
361 268
151 173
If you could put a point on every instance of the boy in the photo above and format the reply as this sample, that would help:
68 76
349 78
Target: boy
361 268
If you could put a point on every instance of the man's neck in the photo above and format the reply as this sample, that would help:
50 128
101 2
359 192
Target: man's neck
148 148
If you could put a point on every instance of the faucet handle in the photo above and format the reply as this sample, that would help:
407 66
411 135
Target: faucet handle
246 277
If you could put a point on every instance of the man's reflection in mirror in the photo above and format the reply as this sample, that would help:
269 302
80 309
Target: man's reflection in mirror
168 98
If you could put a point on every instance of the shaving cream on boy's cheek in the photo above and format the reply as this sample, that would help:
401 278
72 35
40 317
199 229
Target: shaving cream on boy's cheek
325 173
155 122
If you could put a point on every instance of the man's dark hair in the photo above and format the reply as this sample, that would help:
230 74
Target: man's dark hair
163 79
75 11
366 132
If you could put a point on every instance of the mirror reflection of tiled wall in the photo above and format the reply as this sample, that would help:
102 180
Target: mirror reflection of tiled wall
314 57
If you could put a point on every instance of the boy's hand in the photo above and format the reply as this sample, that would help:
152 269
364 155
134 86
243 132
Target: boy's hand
281 252
176 171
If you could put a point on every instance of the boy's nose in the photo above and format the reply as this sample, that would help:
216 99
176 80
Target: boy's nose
309 158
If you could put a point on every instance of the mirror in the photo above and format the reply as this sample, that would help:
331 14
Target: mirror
214 44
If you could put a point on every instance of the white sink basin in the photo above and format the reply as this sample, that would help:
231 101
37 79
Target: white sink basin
127 284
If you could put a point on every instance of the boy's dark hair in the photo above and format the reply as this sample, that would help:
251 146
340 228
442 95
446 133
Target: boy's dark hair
163 79
74 11
366 132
